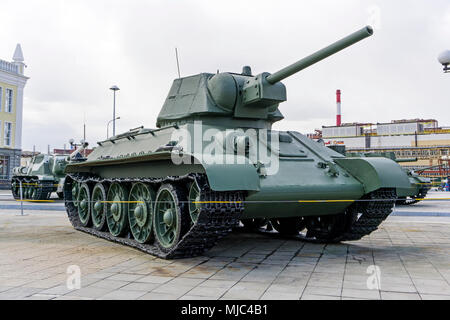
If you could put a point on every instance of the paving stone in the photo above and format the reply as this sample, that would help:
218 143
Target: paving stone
201 298
364 294
140 286
246 290
154 279
235 293
431 289
5 288
412 254
18 293
211 283
282 288
399 296
323 291
125 277
159 296
90 292
122 295
434 297
68 297
394 287
215 293
188 282
41 297
109 284
57 290
318 297
98 275
336 283
271 295
173 289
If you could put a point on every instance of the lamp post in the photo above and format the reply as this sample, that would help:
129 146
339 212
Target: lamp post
444 59
107 126
114 88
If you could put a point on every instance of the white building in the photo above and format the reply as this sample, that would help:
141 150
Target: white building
12 83
417 138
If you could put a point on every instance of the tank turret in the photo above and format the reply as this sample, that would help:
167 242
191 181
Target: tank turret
241 95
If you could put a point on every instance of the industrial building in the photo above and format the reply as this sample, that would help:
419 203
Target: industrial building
12 83
423 139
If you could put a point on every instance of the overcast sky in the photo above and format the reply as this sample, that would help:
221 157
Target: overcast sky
75 50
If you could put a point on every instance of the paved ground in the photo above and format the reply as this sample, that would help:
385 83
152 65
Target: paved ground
411 254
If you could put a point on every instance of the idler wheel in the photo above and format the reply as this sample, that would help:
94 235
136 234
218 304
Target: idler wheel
117 209
84 208
140 212
99 207
171 217
194 202
75 190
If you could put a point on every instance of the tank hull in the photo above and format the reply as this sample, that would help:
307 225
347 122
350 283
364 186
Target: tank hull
300 177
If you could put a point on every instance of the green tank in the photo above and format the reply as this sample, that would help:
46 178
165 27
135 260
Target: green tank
214 160
42 176
419 186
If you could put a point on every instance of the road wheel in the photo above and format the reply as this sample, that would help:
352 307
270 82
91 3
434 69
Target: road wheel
99 207
116 215
171 217
140 212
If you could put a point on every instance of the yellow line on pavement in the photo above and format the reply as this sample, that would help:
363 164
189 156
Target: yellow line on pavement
18 200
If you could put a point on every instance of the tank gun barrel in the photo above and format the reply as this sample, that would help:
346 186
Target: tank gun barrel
428 168
320 55
77 154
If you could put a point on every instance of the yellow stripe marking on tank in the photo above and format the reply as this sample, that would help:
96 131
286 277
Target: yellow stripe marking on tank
321 201
200 202
122 202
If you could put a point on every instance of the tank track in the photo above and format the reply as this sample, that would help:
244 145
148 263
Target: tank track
373 213
217 218
43 192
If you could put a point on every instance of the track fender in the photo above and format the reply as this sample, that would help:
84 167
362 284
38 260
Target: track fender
232 176
375 173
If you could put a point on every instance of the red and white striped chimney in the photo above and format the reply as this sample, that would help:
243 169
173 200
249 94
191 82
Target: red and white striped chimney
338 103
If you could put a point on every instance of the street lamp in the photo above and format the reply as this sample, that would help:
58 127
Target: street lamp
114 88
107 126
444 59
